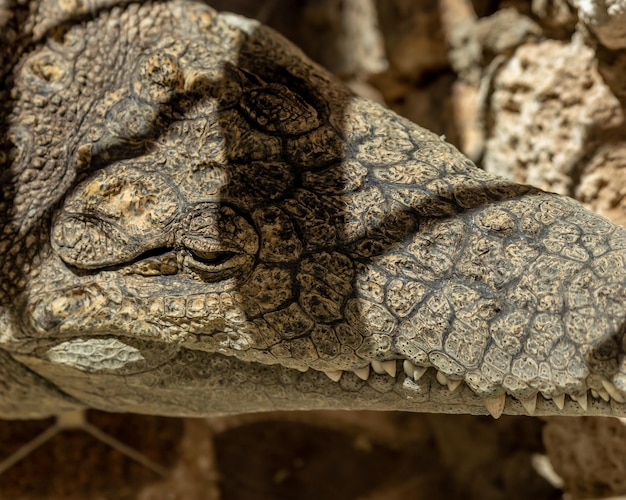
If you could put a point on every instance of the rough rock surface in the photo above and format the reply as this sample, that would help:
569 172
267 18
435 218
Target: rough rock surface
588 453
606 18
603 182
549 93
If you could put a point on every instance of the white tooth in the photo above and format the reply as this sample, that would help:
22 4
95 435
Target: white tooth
453 384
613 392
495 406
530 404
363 373
441 378
390 367
419 372
334 375
415 372
408 368
604 395
378 367
303 369
581 400
559 401
600 393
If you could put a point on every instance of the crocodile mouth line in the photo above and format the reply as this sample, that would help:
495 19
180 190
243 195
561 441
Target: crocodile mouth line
598 387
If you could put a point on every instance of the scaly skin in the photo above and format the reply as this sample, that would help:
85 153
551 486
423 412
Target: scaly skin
198 220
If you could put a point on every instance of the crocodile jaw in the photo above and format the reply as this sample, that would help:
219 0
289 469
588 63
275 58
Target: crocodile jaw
196 384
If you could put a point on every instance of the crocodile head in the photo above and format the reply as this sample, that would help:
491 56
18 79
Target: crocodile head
224 228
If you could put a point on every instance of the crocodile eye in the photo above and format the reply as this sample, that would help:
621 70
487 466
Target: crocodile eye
211 258
215 265
216 243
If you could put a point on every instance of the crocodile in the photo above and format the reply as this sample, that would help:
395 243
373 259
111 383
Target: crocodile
198 220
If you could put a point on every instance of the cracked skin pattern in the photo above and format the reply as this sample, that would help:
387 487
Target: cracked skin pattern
197 220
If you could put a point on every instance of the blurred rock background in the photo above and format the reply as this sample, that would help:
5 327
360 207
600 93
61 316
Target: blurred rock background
531 90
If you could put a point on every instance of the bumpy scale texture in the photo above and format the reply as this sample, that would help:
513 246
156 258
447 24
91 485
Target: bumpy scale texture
198 220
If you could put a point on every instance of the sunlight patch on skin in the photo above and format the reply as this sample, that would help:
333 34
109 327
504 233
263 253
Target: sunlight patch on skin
94 354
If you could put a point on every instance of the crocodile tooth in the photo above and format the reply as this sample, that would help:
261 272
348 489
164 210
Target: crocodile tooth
600 393
419 372
378 367
409 368
612 390
453 384
441 378
382 367
334 375
415 372
363 373
530 404
581 400
604 395
559 401
303 369
390 367
495 406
